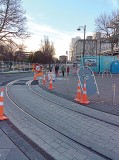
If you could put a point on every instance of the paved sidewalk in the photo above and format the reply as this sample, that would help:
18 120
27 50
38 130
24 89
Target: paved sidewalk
13 144
8 150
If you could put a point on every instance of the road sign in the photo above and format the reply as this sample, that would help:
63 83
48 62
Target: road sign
37 67
85 73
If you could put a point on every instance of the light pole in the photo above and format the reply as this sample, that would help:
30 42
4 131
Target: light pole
84 28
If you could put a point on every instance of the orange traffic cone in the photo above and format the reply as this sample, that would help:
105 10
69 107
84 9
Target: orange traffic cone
84 98
34 77
50 84
79 94
46 77
44 80
2 117
58 73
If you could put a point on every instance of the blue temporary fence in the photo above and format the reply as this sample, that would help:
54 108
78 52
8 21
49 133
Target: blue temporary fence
115 67
99 64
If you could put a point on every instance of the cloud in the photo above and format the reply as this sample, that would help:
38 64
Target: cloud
38 31
60 39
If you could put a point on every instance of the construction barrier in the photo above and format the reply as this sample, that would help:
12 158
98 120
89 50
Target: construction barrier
2 117
53 75
37 75
84 97
34 78
107 73
50 83
79 92
44 80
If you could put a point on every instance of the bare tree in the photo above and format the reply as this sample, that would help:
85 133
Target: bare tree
3 51
11 48
45 55
107 25
48 50
10 51
19 54
101 24
12 20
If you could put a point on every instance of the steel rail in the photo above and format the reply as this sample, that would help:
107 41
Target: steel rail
38 120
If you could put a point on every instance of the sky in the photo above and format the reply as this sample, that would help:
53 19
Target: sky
59 19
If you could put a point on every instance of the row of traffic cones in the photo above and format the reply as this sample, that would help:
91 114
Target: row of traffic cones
50 83
44 80
2 117
81 96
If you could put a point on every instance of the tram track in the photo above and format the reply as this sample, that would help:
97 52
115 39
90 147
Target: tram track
72 109
73 138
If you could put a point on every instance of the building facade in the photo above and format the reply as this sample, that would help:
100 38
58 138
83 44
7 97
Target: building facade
63 58
95 45
106 43
78 48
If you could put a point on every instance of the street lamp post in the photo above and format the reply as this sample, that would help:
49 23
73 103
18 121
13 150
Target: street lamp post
84 28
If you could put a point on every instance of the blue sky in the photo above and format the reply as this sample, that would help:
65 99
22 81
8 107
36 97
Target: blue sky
59 20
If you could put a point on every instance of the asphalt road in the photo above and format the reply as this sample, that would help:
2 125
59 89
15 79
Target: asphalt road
7 77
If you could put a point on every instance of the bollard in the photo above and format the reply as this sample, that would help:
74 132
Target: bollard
113 89
2 117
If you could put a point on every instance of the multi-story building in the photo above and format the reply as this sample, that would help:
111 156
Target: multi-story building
63 58
96 44
78 48
103 47
114 38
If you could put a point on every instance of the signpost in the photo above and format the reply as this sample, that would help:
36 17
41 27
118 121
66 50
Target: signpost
37 68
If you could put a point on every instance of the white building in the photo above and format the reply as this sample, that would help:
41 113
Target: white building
78 48
94 45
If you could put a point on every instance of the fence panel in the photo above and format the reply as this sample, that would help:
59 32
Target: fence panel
11 66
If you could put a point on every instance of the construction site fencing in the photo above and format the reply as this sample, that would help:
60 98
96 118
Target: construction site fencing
11 66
